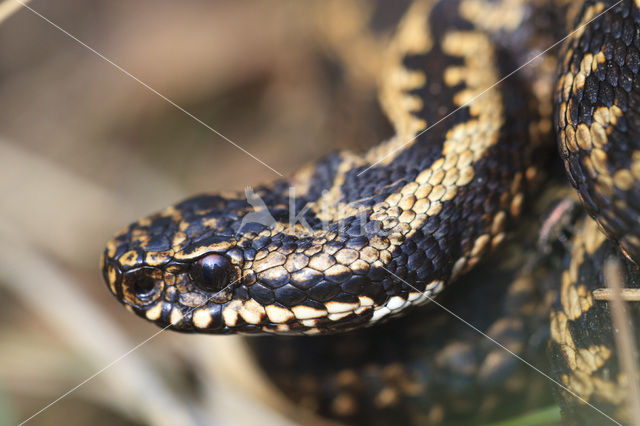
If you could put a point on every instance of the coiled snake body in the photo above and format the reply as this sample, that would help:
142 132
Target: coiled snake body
368 235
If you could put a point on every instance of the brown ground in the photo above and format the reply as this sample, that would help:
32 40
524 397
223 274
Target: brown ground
85 149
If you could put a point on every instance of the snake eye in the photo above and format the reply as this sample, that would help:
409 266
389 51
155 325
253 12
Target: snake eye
211 273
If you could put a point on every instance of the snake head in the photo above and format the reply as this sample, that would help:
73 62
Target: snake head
189 268
177 268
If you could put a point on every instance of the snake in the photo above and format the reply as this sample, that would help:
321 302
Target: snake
475 97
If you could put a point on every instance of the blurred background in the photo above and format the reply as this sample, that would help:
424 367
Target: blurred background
86 149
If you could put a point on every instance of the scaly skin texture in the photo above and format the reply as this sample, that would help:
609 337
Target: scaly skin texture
387 229
598 116
359 237
582 348
429 367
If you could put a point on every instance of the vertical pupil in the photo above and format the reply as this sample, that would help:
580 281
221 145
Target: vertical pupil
212 272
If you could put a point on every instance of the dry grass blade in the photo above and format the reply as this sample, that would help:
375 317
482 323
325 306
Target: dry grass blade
134 386
625 342
9 7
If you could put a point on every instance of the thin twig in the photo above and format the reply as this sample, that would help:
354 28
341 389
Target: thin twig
627 294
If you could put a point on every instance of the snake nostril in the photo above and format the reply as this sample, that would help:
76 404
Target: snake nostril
211 272
143 285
